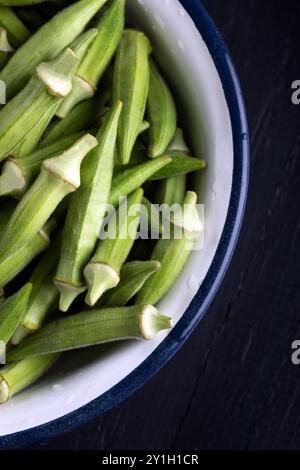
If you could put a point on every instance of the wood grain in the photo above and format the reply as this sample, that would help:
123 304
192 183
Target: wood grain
233 386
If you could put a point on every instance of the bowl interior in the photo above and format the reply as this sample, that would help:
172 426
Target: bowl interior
186 62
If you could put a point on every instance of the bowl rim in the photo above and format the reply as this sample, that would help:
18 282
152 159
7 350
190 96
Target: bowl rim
217 270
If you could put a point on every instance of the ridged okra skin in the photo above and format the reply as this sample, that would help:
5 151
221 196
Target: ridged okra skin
86 212
131 84
17 32
91 328
59 176
161 112
90 71
62 29
173 253
103 271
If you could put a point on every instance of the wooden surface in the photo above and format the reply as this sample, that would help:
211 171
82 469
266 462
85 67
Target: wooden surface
233 386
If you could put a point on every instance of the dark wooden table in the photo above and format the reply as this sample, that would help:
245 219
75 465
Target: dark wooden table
233 385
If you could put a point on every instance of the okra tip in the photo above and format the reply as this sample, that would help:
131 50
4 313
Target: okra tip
12 179
100 277
4 44
152 322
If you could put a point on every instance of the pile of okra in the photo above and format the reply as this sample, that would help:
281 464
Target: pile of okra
87 121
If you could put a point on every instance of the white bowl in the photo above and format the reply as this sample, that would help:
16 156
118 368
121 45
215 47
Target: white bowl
211 108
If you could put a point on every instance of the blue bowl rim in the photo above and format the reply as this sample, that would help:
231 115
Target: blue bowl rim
214 277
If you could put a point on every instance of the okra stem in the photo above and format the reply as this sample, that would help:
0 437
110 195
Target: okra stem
103 271
86 212
16 377
91 328
13 263
59 176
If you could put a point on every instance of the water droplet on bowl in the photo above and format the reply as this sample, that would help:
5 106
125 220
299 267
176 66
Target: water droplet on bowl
181 45
181 12
159 20
192 283
56 388
245 136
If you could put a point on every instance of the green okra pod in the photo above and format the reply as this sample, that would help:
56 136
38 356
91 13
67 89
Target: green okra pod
126 181
131 83
90 71
133 276
103 271
161 111
42 95
16 30
59 176
16 377
173 253
6 49
13 263
80 118
150 219
180 164
43 294
12 311
86 212
91 328
18 173
62 29
172 189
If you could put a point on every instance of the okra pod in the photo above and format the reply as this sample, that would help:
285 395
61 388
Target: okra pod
47 43
86 212
5 48
42 94
161 112
43 294
79 119
12 311
16 30
172 254
90 71
126 181
13 263
18 173
131 84
103 271
91 328
59 176
16 377
133 276
150 219
180 164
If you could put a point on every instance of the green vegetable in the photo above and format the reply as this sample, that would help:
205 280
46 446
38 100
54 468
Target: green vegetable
103 270
16 30
47 42
131 83
90 71
86 212
126 181
161 112
17 377
5 48
133 276
43 295
173 253
59 176
13 263
91 328
12 311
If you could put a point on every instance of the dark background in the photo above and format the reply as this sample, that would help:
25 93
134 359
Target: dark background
233 386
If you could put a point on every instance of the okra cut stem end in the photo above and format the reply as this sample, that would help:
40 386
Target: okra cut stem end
152 322
12 179
67 165
100 277
4 391
4 44
68 293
